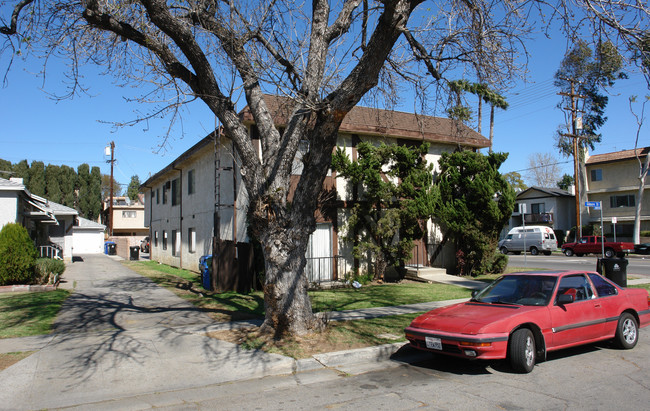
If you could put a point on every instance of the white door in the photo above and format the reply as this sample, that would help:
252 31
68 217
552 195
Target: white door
319 254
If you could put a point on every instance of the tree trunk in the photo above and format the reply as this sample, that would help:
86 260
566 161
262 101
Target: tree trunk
287 304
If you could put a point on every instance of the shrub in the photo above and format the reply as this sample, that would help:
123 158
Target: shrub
48 270
17 255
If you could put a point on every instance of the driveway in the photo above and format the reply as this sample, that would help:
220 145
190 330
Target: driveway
118 335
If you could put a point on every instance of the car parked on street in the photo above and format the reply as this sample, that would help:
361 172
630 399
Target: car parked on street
596 244
523 316
642 248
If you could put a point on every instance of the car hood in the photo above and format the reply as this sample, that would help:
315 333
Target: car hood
471 317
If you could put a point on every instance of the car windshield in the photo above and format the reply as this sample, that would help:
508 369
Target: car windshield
518 290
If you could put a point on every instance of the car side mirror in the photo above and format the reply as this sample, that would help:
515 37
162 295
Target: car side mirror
565 299
474 293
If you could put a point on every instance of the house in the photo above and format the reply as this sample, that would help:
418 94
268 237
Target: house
128 217
57 230
202 189
551 207
613 179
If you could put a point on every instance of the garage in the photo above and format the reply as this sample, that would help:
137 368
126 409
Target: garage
88 237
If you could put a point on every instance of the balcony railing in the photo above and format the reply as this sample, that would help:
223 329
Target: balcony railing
545 218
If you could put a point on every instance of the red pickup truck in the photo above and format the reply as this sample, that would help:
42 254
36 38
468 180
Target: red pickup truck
594 244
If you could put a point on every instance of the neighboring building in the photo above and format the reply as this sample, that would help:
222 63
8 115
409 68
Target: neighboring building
613 179
57 230
203 185
551 207
128 217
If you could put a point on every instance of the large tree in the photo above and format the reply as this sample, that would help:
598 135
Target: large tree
325 57
543 170
134 188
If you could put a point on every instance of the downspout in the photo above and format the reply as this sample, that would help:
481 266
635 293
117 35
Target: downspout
180 223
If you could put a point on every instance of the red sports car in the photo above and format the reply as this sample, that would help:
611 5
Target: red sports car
522 316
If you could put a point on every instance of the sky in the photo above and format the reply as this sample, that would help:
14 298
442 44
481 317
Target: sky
76 131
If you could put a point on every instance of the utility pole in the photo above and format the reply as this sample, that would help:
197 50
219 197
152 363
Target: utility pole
576 163
110 148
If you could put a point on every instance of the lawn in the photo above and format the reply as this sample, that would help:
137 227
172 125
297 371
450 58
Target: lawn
231 306
26 314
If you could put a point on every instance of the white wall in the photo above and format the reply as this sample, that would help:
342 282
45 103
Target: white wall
8 207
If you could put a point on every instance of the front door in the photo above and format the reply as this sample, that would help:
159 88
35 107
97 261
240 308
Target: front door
319 255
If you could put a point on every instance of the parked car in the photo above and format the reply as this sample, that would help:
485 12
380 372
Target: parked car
642 248
144 245
523 316
533 239
597 244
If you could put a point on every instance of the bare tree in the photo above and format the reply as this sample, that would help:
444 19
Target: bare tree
323 56
543 170
643 167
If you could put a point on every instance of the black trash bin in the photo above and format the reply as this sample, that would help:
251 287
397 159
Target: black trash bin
110 248
135 252
614 269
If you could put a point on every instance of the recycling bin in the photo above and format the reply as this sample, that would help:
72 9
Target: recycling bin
134 253
110 248
614 269
205 264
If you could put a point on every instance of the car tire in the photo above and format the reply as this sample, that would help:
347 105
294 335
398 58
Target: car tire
521 350
627 332
504 250
568 252
534 251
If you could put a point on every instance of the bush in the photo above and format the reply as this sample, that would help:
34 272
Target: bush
17 255
48 270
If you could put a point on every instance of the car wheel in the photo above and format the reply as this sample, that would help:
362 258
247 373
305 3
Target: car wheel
534 251
521 350
504 250
627 333
568 252
609 253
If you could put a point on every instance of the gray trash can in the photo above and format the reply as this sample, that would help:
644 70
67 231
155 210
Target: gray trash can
134 252
614 269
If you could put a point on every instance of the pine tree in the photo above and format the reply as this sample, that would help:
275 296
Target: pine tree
83 190
37 178
53 183
67 183
134 188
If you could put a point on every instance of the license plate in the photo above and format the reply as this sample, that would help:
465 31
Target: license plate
433 343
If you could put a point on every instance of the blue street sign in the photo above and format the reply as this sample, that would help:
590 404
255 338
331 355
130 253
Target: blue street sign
594 204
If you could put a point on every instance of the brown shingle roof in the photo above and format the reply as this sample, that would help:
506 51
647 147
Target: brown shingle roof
618 156
365 120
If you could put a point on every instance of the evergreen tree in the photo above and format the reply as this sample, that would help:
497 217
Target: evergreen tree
474 203
53 183
94 194
134 188
21 170
396 185
565 182
67 183
5 169
83 190
37 178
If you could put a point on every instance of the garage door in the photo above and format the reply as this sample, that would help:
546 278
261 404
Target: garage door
87 242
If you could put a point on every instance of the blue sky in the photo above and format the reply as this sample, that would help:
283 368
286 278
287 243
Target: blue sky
71 132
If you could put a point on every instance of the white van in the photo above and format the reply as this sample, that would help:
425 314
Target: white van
537 238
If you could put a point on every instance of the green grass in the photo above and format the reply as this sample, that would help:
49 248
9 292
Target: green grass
646 286
26 314
230 305
384 295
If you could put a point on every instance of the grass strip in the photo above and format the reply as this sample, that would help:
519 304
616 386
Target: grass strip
27 314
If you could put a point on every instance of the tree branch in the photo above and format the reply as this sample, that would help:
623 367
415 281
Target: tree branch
11 29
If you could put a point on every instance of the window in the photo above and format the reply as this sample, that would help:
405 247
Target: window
176 192
596 174
622 201
155 238
537 208
191 240
157 196
577 286
190 182
164 240
153 195
176 243
602 287
164 195
129 214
